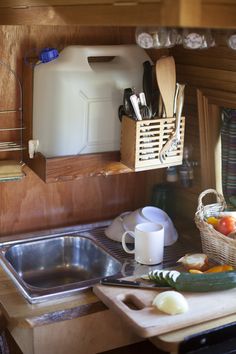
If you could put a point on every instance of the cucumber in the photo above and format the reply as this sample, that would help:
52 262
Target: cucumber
195 282
206 282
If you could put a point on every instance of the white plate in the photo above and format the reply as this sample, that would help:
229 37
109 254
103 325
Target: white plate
116 229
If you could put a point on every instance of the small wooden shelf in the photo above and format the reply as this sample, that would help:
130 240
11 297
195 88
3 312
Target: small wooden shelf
66 168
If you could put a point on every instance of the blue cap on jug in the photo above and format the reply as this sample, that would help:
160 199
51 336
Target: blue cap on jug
48 54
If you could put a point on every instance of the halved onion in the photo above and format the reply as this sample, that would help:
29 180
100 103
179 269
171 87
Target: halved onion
194 261
171 302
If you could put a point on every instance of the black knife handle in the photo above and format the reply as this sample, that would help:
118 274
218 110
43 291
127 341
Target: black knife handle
112 281
134 284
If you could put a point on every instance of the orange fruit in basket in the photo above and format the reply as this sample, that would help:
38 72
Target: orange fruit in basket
219 268
212 220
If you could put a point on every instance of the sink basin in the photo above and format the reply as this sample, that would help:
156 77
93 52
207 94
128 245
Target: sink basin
51 267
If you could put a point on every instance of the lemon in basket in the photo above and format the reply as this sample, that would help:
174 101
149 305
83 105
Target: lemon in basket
212 220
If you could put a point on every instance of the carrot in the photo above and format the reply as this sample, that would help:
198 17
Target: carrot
219 268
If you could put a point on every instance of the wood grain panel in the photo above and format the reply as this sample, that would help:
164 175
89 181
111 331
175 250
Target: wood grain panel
9 135
209 103
209 71
210 74
78 166
10 155
218 13
21 3
182 13
219 57
103 15
9 120
31 204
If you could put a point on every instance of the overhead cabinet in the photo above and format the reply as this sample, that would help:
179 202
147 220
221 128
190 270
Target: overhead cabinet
181 13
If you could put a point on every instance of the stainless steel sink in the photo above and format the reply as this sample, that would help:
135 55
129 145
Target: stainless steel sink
55 263
54 266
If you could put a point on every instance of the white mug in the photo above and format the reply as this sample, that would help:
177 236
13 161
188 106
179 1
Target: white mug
148 243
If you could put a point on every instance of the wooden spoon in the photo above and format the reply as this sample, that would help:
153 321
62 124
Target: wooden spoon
166 80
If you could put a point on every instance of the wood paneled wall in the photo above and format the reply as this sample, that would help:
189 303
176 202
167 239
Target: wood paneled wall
31 204
215 69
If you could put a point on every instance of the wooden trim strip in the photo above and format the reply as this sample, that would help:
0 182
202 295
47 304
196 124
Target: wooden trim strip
68 314
31 3
105 15
73 167
209 104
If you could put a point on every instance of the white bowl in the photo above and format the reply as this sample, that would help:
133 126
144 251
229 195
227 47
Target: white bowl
153 214
132 219
116 229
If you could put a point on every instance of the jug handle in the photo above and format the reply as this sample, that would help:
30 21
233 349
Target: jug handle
80 54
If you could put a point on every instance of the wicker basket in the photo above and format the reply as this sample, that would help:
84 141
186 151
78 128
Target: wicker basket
218 247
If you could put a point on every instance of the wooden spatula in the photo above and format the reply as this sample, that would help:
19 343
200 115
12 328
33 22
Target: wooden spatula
166 80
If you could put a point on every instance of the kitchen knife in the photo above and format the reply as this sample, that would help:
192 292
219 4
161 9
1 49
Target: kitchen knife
135 103
150 88
128 108
131 284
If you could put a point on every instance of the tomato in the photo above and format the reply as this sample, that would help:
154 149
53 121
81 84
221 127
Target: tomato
226 225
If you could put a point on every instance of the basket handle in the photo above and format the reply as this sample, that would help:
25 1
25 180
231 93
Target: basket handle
220 199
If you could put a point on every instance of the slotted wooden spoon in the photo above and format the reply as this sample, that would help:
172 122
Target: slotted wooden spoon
166 80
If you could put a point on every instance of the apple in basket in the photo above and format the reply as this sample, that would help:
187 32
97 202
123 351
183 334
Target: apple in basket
225 225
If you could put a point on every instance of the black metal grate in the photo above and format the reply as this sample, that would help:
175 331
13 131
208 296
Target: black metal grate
171 253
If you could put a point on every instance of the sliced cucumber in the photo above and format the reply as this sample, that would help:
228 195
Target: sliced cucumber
194 282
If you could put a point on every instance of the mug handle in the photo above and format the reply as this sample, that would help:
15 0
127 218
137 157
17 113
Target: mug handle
131 233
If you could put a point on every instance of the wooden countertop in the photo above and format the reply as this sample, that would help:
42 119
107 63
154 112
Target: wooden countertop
15 308
18 312
170 341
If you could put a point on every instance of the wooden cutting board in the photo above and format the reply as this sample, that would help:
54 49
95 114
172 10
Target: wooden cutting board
147 321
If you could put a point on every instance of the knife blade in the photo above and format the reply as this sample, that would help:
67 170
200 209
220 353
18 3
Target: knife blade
150 88
131 284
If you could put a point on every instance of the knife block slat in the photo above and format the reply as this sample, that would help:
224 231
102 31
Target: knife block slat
142 141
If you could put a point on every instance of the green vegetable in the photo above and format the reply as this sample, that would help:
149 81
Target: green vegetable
194 282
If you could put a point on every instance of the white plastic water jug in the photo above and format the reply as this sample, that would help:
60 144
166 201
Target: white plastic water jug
75 102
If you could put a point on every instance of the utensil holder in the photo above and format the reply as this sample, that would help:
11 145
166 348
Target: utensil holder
142 141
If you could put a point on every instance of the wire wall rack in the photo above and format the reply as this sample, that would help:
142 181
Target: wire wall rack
10 169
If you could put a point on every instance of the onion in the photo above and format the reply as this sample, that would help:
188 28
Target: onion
171 302
197 261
